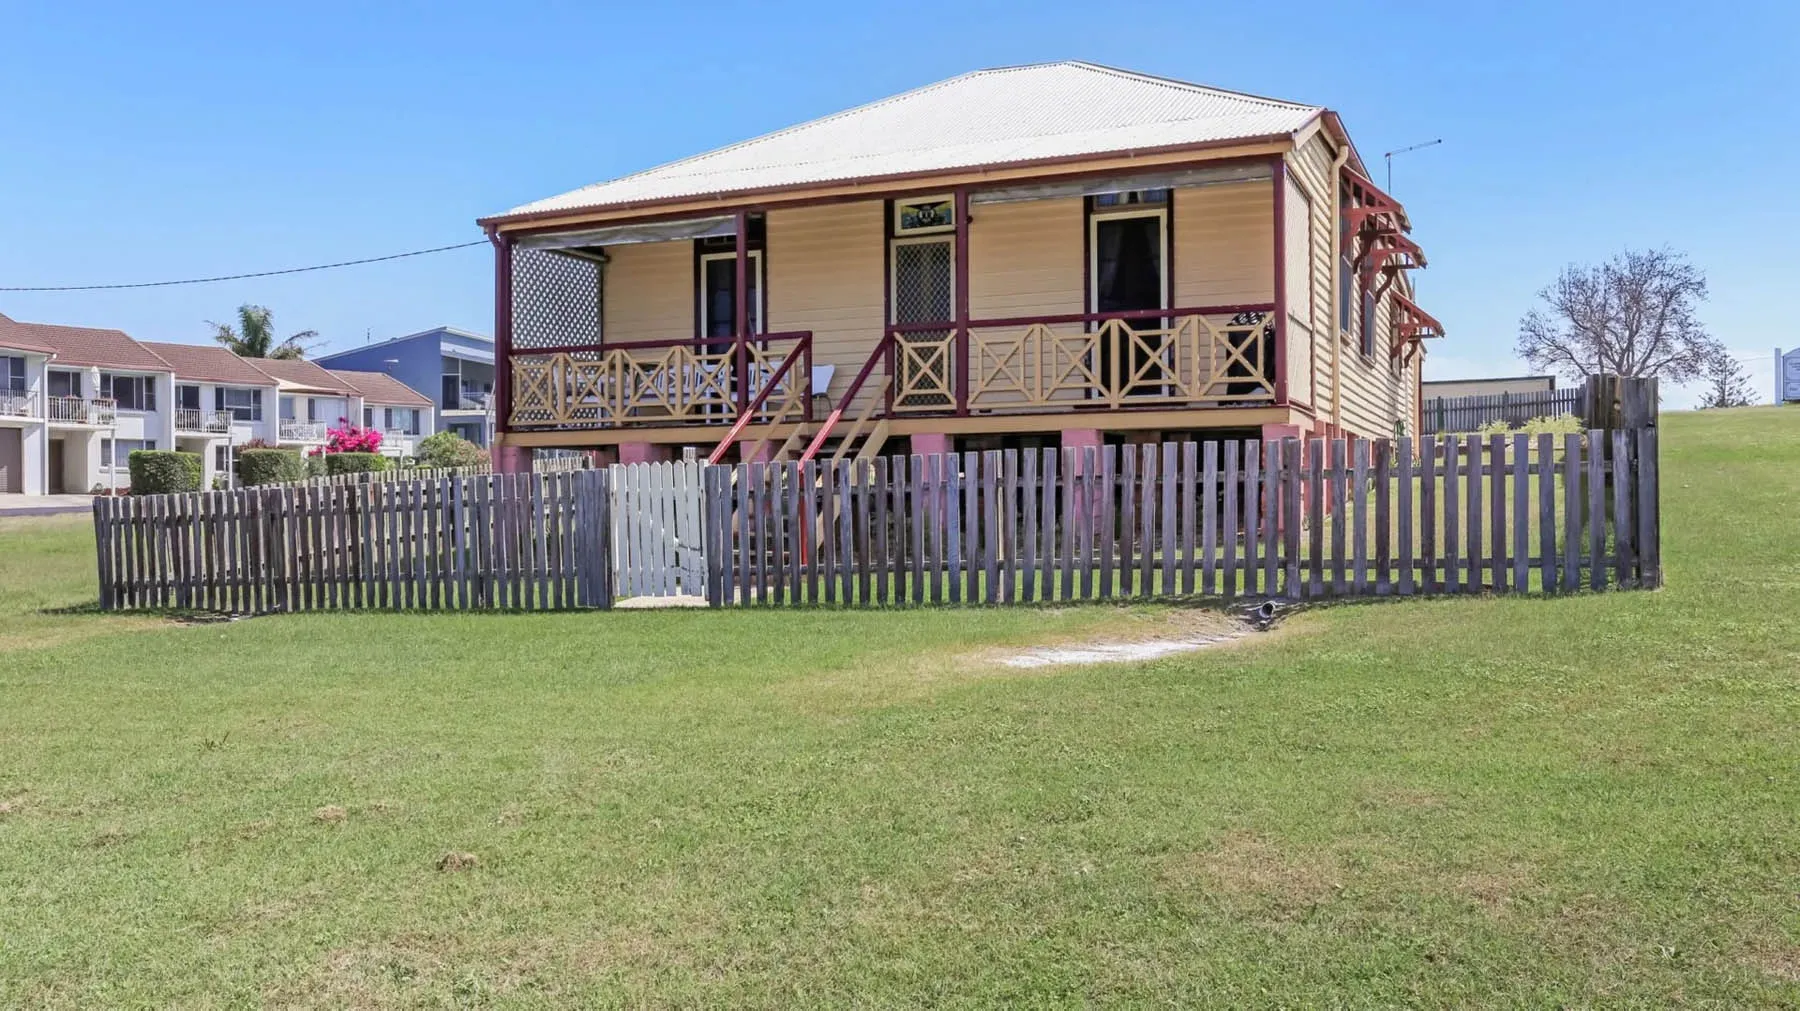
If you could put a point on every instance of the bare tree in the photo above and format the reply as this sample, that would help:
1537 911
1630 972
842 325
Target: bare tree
1633 315
1726 384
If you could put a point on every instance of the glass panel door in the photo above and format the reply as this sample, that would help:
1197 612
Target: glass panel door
1127 273
923 291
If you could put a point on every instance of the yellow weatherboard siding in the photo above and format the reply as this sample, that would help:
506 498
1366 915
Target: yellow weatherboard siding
1373 392
1025 259
1224 244
825 275
649 292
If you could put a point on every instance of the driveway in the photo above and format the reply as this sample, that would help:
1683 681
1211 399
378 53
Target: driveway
44 505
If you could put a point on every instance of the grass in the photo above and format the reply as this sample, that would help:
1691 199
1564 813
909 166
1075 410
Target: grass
1575 802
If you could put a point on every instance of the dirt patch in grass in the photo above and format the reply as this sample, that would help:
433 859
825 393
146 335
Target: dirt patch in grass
1246 866
909 677
1781 963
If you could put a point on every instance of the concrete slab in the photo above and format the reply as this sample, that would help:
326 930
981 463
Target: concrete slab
44 505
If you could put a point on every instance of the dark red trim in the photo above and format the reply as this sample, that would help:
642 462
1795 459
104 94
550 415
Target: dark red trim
502 330
961 286
890 185
1278 174
741 313
887 289
570 349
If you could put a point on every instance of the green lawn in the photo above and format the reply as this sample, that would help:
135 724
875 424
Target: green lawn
1589 801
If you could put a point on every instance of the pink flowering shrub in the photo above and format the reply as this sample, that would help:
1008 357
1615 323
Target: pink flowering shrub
351 438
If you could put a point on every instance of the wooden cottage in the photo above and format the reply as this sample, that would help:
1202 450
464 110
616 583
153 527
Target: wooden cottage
1013 257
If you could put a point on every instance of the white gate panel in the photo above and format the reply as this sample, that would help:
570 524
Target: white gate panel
658 538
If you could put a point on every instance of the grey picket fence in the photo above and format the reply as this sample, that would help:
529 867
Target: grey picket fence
499 541
1287 519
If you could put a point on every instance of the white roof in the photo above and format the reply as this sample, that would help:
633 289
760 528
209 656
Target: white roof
988 117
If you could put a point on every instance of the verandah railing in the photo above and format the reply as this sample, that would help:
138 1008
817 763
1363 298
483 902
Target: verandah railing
661 382
1204 356
1286 519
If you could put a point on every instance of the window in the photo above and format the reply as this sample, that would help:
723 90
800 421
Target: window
12 374
286 408
451 391
925 215
368 417
187 398
243 404
133 393
1368 322
1130 198
119 450
64 383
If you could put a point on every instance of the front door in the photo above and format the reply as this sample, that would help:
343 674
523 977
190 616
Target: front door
1128 250
923 291
54 480
718 298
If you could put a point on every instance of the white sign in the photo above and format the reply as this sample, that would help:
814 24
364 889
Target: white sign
1790 375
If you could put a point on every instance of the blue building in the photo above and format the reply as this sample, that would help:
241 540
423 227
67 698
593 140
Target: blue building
453 367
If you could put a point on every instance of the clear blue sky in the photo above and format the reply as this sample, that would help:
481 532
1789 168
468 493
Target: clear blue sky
150 141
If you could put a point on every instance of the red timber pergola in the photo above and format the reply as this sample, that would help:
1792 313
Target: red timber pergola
1375 228
1412 325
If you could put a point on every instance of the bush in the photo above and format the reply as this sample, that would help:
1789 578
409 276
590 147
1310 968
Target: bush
447 449
1561 424
162 471
356 463
269 466
315 465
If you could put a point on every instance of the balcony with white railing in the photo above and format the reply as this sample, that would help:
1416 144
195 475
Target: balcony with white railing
302 431
15 404
192 420
81 410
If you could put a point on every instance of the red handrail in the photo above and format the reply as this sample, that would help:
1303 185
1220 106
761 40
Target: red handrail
774 380
849 397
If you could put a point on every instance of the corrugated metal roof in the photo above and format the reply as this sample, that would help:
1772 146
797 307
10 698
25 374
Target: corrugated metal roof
381 388
208 364
988 117
81 345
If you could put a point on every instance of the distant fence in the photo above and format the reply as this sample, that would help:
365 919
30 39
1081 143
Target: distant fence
455 543
1291 519
1284 519
1599 402
1467 414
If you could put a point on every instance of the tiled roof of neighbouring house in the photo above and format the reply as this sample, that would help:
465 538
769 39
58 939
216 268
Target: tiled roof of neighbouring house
80 345
304 375
381 388
209 364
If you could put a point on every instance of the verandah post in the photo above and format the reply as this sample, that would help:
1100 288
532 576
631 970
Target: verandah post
961 295
741 310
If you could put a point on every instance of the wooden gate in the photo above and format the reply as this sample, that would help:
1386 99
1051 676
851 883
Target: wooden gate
658 538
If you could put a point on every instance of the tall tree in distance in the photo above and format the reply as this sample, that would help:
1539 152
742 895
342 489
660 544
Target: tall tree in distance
1726 384
254 335
1634 316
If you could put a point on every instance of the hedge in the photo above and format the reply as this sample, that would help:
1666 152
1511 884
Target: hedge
269 466
162 471
315 465
356 463
449 450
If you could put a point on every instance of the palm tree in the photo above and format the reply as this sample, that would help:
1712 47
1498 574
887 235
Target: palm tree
254 336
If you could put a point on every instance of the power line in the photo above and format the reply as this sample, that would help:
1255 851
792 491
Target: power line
239 277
